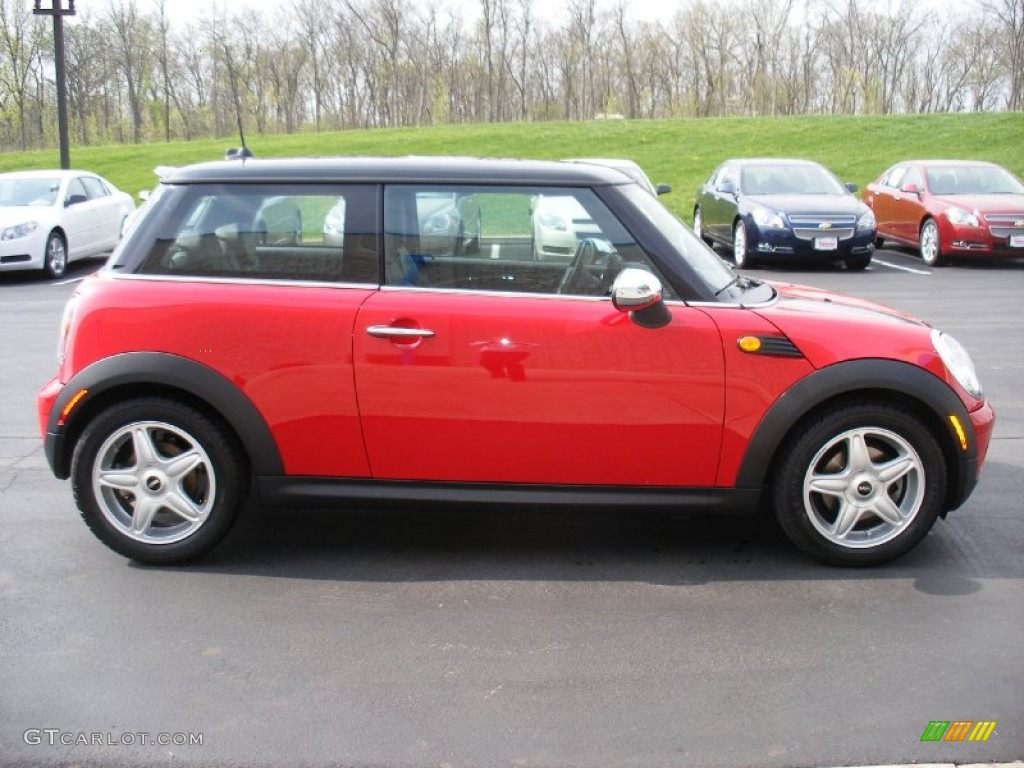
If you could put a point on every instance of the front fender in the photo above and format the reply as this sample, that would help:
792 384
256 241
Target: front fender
933 399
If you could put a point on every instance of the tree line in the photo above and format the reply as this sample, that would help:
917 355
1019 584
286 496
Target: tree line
136 73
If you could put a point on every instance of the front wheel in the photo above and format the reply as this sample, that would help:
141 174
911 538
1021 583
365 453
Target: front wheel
860 485
858 264
931 247
158 481
740 256
698 226
55 257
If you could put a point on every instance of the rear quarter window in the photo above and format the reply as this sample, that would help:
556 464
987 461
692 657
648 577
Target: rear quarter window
321 233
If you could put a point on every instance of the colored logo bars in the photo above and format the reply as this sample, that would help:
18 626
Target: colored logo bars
958 730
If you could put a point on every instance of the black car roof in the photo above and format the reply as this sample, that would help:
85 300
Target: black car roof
417 169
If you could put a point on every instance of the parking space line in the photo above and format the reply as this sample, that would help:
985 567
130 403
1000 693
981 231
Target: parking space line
900 266
69 281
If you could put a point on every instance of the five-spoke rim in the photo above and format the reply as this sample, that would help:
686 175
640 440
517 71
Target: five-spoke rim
154 482
929 243
56 256
864 487
739 245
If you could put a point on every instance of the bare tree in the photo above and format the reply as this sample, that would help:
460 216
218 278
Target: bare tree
1010 16
132 35
21 38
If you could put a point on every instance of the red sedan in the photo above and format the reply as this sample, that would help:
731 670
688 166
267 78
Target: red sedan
949 208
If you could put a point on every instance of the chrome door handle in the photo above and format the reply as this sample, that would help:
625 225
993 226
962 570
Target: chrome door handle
391 332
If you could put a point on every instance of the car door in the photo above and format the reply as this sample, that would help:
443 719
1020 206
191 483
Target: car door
884 205
78 220
906 206
105 212
722 204
498 369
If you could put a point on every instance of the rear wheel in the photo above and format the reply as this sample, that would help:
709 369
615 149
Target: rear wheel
931 248
860 485
158 481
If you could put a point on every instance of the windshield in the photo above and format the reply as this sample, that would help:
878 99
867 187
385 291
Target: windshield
973 181
783 179
28 191
715 272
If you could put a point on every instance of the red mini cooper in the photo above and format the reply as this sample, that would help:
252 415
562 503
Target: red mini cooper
387 349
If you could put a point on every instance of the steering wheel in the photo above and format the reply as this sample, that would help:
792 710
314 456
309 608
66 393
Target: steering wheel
592 269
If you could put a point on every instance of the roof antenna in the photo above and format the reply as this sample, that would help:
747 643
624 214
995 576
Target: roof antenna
242 152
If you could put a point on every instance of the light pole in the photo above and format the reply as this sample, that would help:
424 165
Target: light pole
58 11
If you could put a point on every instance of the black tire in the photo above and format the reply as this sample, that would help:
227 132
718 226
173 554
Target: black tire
858 264
55 256
822 449
209 481
879 243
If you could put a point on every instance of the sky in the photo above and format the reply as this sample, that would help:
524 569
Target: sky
190 9
646 10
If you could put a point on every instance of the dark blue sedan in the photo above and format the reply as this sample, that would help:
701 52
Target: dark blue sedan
767 209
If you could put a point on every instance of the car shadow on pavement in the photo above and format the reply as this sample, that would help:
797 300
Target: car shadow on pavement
476 544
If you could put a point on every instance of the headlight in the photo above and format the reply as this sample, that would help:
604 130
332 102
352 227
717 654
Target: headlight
866 221
65 327
18 230
552 221
440 224
962 218
957 361
767 219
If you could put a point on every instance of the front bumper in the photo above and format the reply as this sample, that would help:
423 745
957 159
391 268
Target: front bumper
53 437
782 244
982 421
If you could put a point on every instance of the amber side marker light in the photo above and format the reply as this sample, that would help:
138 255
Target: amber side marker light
70 406
959 431
749 343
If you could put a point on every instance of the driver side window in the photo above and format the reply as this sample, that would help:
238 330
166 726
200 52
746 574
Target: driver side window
504 239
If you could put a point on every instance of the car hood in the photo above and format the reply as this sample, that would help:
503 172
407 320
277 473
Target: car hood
810 204
828 327
985 203
18 214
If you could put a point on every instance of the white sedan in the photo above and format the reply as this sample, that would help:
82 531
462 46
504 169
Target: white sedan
50 218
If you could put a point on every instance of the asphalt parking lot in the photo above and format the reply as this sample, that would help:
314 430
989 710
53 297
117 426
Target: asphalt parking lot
400 638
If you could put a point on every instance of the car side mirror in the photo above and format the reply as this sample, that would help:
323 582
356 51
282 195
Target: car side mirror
663 189
727 188
74 200
639 293
910 189
851 187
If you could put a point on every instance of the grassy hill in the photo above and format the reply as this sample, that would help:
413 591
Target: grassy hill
677 152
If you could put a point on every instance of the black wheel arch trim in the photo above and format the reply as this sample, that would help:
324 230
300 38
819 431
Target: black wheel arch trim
165 371
903 380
